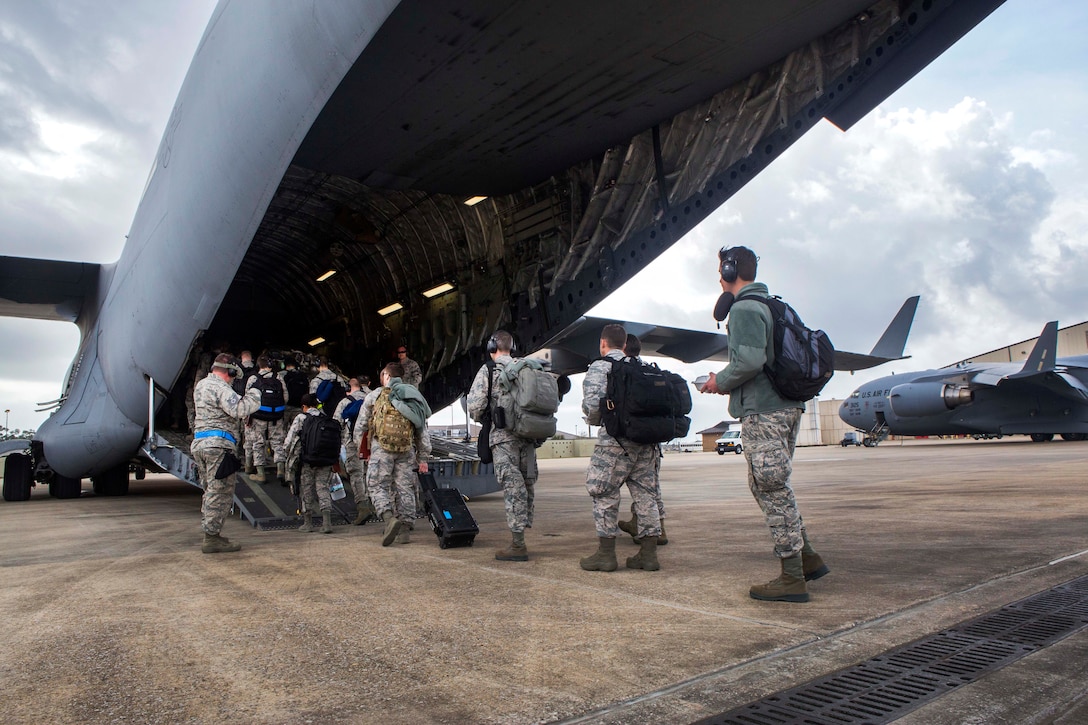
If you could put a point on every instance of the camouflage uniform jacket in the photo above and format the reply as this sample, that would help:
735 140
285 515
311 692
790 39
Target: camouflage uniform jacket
422 438
413 375
338 414
594 389
478 402
219 408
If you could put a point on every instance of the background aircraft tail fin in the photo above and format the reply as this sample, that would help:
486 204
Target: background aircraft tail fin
888 348
1041 359
891 343
46 289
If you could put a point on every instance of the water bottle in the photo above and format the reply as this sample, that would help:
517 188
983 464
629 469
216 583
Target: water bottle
337 488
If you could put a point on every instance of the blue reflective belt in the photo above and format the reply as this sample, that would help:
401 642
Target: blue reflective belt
269 409
215 434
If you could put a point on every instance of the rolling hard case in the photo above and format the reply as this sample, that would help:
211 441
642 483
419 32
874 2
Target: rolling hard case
450 518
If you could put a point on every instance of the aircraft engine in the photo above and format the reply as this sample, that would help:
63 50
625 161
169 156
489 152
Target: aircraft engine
912 400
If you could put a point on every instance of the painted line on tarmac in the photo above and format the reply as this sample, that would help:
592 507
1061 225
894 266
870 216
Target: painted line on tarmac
1067 558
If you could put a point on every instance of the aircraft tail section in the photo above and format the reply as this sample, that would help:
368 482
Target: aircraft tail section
1041 359
46 289
890 345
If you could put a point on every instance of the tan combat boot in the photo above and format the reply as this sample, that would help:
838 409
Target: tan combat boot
516 551
812 564
663 538
217 544
646 558
326 522
280 473
604 559
788 587
364 513
392 527
630 527
307 523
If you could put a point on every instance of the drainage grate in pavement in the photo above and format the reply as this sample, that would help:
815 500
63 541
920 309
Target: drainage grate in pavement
892 684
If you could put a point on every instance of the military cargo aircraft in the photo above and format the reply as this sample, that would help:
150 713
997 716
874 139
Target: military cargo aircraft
355 175
1044 397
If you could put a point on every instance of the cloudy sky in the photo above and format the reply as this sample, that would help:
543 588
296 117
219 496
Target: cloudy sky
968 187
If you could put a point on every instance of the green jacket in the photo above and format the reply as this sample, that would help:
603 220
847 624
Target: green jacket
751 346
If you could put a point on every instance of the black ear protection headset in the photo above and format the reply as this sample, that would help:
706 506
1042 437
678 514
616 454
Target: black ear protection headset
727 266
493 346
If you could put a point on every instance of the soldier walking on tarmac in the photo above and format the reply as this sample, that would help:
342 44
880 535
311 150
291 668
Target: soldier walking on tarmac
219 411
770 424
615 462
514 457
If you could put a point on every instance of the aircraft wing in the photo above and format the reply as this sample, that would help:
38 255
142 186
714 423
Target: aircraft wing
571 350
45 289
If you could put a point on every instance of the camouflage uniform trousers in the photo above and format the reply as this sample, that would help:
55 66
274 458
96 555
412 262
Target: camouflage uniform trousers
391 481
262 434
769 440
657 488
610 468
314 488
218 493
515 467
355 482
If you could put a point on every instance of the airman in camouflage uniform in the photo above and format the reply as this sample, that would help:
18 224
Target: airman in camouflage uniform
216 430
633 349
769 427
514 457
413 375
313 479
263 434
358 388
615 462
391 477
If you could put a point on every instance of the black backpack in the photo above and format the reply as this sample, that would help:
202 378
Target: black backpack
297 386
320 440
644 403
272 401
804 359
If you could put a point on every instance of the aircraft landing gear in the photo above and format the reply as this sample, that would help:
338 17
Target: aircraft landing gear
1042 437
113 482
18 477
65 487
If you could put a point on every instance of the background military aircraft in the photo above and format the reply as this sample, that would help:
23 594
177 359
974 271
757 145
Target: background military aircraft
1044 397
360 175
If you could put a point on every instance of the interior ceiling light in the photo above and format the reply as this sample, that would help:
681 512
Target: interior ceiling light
390 309
325 276
316 341
438 290
474 200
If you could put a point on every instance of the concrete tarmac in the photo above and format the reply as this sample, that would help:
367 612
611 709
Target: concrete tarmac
112 614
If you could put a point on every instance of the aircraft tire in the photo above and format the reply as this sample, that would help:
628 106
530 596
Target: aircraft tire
65 487
1073 436
111 483
18 477
1042 437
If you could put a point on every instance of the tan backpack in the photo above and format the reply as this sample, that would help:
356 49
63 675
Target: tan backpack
389 427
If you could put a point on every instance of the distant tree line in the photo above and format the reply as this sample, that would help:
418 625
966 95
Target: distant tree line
7 434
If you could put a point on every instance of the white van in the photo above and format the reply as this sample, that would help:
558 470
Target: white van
730 441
